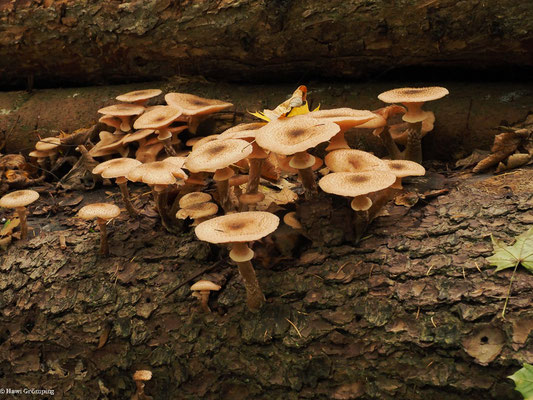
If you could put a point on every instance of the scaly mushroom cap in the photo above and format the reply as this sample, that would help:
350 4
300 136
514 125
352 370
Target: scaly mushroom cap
178 161
142 375
139 135
199 210
194 198
122 110
156 173
295 134
19 198
413 95
138 95
198 141
217 154
403 168
157 118
354 184
346 118
205 285
116 168
351 160
190 104
99 210
48 144
241 131
239 227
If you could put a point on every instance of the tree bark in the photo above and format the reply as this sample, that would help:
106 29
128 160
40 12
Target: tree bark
80 42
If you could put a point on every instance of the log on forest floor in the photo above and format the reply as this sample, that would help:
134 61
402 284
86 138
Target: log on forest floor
412 312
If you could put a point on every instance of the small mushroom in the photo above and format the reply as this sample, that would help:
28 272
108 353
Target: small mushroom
200 212
19 200
139 97
403 168
204 288
160 119
140 377
124 112
103 212
237 230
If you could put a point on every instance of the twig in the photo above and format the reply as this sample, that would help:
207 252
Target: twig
294 326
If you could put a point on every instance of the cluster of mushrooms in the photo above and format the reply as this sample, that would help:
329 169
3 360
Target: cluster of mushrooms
283 143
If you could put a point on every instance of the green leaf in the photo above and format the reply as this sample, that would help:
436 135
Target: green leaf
523 379
509 256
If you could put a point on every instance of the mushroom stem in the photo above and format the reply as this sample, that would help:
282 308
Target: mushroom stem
254 296
160 198
361 221
308 181
204 299
254 175
140 390
413 148
126 197
223 194
104 247
338 142
21 212
125 124
390 144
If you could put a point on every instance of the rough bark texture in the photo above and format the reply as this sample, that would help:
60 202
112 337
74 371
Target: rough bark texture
465 119
77 41
410 313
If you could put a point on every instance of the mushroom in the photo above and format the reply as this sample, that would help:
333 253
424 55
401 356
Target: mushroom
159 119
352 160
113 122
124 112
294 136
19 200
139 97
237 230
103 212
118 168
204 288
196 108
140 377
49 145
109 144
413 99
216 156
200 212
403 168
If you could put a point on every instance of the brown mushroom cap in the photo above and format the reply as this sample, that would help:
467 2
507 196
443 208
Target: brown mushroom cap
40 154
156 173
19 198
291 220
217 154
99 210
295 134
157 118
354 184
139 95
194 198
241 131
122 110
413 95
136 136
190 104
142 375
205 285
198 210
47 144
115 168
351 160
239 227
403 168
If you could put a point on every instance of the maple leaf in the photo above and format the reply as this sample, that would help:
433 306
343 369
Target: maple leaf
521 252
523 379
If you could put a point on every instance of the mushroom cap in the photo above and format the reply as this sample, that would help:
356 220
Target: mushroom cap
413 95
47 144
295 134
194 198
356 183
139 95
156 173
238 227
198 210
351 160
241 131
217 154
115 168
291 220
190 104
176 160
122 110
205 285
198 141
136 136
403 168
40 154
157 118
345 117
99 210
19 198
142 375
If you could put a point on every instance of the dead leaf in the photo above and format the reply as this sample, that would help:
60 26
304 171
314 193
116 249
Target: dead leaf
9 226
104 336
71 201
